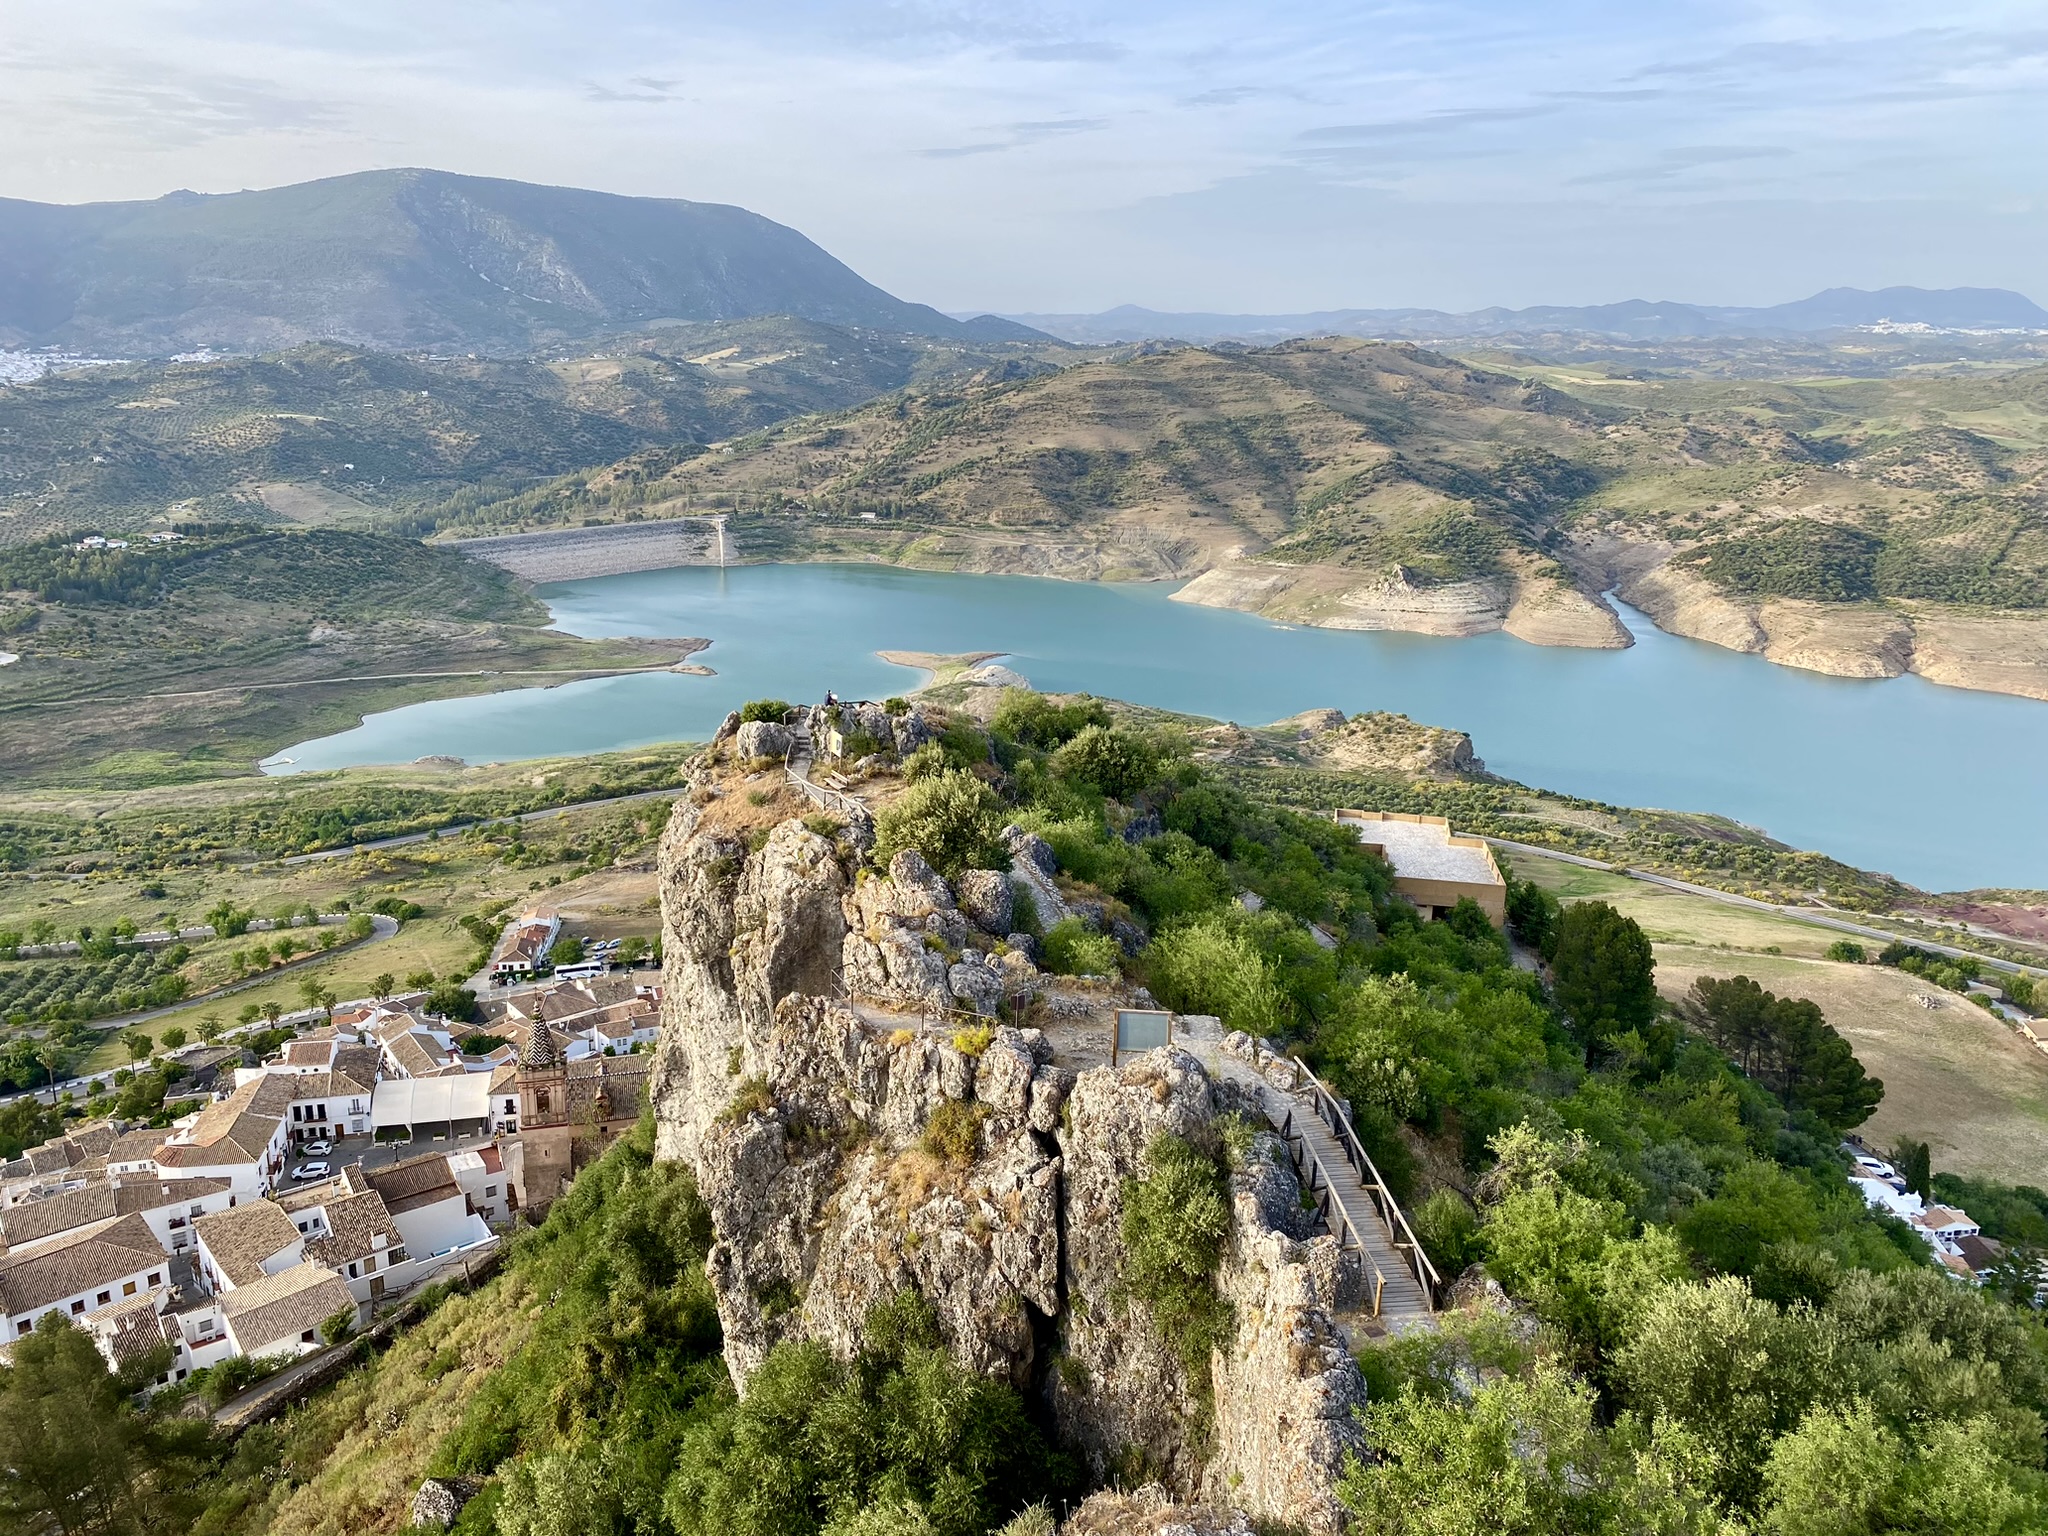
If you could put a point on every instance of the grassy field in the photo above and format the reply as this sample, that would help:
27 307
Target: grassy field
1955 1075
197 658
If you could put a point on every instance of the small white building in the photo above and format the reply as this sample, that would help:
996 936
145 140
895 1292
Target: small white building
81 1273
241 1246
426 1200
281 1313
481 1175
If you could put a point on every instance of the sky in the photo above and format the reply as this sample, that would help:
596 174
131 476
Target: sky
1192 155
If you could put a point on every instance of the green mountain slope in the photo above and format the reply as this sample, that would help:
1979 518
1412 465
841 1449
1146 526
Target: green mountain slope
414 258
331 433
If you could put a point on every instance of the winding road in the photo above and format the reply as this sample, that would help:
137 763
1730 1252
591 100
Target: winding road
1797 914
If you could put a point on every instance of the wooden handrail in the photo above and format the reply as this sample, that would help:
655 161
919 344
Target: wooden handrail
1332 1114
1346 1231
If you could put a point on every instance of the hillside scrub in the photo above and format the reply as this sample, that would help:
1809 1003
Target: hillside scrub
952 818
1713 1314
1620 1174
900 1439
1176 1225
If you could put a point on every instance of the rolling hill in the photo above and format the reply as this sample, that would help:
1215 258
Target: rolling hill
1637 319
415 259
1863 528
342 434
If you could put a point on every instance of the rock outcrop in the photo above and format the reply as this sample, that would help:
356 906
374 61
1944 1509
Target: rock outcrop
440 1501
849 1148
1381 742
1530 603
762 738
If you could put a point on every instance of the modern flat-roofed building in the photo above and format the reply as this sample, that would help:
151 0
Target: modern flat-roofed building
1434 868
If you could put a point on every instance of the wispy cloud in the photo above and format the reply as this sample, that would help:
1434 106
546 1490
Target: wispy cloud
1074 52
1019 135
1192 154
1446 121
1673 163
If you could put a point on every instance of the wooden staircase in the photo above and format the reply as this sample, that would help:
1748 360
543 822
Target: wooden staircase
1351 1198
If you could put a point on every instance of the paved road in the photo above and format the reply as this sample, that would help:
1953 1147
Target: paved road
1797 914
458 828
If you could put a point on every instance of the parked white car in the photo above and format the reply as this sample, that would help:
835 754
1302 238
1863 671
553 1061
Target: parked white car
310 1171
316 1149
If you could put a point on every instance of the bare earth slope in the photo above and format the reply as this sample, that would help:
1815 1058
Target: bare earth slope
1863 528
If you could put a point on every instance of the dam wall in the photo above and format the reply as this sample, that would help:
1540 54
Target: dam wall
570 554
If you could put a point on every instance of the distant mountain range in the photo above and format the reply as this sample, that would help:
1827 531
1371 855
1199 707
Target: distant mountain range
1634 319
416 259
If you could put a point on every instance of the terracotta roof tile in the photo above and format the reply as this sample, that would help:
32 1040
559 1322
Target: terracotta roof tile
354 1225
97 1256
418 1181
241 1239
286 1305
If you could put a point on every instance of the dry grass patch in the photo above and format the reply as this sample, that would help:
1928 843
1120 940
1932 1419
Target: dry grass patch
1955 1076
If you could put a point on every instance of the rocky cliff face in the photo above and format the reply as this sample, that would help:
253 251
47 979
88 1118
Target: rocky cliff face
849 1145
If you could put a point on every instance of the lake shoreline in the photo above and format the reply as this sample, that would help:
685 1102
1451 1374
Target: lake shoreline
1857 767
1988 651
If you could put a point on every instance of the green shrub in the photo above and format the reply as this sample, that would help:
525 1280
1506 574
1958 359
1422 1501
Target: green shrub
452 1001
1072 948
902 1441
1448 1230
1213 965
1176 1224
925 762
753 1097
1848 951
771 710
953 819
953 1134
1112 762
1033 720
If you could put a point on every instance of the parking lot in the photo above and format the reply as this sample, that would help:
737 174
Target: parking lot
373 1155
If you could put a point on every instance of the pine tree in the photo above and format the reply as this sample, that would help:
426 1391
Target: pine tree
1604 971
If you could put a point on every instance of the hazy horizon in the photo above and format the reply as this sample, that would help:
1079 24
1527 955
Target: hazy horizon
1066 159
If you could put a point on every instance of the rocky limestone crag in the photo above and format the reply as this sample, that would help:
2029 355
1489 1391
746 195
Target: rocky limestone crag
1285 1391
762 738
1152 1511
440 1501
1382 742
847 1152
988 900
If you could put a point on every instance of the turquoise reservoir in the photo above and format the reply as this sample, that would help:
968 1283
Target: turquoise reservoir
1940 786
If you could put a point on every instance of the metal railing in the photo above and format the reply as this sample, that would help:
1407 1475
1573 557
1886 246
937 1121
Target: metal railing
1329 1207
1332 1112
